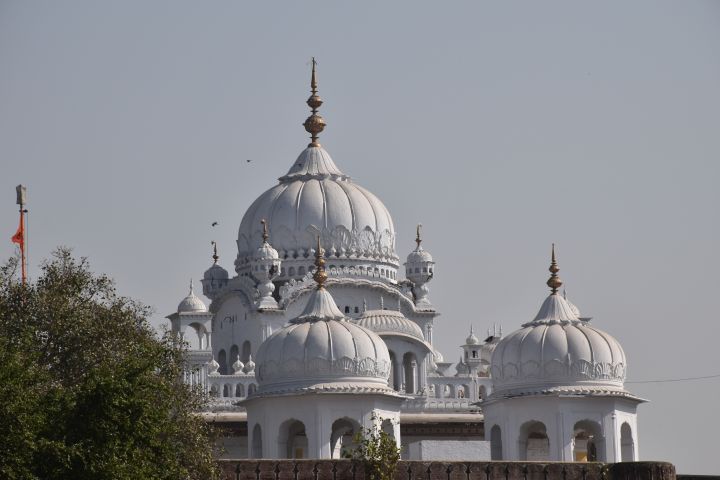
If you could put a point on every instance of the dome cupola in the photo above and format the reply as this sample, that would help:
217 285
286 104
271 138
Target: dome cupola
419 269
316 198
557 352
191 303
321 351
215 277
265 267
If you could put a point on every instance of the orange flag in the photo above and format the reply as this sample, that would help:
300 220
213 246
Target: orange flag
19 236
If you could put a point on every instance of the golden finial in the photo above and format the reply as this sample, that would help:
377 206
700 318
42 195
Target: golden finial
418 240
320 276
215 256
265 230
314 124
554 281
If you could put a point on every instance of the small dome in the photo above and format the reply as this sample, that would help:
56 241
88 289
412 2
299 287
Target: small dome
419 256
557 351
389 322
215 272
266 252
472 339
213 367
322 348
191 303
249 366
238 366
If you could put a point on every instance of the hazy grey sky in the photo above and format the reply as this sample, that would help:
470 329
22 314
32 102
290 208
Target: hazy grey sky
501 126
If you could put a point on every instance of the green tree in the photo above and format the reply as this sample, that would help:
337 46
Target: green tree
378 451
87 388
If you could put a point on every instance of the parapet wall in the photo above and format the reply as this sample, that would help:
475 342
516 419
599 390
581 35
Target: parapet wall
413 470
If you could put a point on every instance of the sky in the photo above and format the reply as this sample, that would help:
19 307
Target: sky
502 127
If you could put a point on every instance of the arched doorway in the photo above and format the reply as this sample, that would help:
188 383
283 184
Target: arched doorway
495 443
627 444
588 443
342 437
293 442
256 445
534 444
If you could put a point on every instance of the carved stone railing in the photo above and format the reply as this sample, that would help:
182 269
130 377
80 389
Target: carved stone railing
417 470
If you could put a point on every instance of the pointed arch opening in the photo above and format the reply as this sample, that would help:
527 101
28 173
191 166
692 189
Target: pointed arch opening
342 437
256 446
534 444
496 443
588 442
627 443
293 442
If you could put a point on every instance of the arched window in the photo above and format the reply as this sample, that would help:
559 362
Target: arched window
627 444
534 444
234 351
411 370
226 390
222 361
251 388
347 309
588 442
357 309
239 390
293 442
495 443
301 271
291 271
388 427
394 379
246 351
482 392
256 446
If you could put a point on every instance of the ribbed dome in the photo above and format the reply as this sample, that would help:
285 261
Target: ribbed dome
313 198
390 322
419 255
191 303
557 351
321 348
215 272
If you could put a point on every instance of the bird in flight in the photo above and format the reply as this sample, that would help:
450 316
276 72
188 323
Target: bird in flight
248 161
214 224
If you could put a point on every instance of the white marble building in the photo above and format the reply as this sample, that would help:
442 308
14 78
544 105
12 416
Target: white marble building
272 287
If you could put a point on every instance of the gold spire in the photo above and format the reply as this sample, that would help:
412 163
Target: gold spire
554 281
265 230
418 240
320 276
314 124
215 256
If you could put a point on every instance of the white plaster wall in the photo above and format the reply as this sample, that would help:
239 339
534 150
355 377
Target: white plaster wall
317 412
559 415
449 450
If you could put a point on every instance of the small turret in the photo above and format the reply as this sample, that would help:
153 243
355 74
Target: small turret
265 266
419 269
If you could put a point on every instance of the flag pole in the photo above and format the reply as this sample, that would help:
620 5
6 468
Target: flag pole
20 236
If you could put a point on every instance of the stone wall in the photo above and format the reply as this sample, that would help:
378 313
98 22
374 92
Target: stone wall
348 470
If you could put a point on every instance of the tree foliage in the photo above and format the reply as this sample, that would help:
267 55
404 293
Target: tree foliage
377 450
87 389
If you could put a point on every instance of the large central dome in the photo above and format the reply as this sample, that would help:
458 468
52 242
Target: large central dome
316 198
